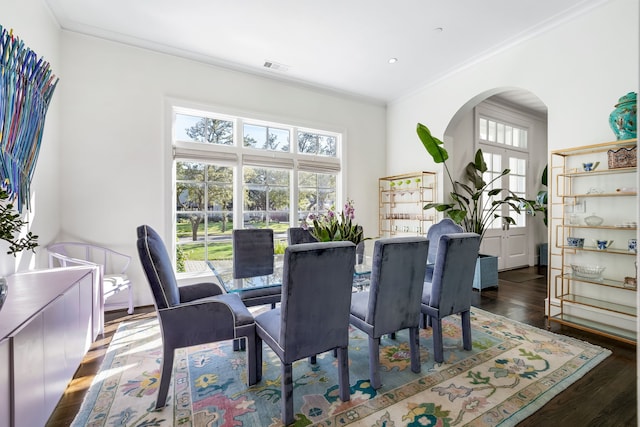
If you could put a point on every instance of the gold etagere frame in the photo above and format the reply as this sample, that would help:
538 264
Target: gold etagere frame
565 303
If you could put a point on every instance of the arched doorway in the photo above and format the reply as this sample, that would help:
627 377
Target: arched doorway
510 126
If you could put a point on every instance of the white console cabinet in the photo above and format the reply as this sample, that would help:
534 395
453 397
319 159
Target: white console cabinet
46 327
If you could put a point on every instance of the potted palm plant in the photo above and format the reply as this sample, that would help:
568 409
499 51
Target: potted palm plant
474 203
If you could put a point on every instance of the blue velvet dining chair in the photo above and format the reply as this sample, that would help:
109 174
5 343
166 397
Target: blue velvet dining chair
297 235
192 314
445 226
451 287
392 302
313 316
253 250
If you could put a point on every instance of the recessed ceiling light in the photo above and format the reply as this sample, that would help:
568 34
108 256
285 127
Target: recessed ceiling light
393 60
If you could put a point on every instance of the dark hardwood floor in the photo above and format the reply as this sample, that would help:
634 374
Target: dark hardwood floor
606 396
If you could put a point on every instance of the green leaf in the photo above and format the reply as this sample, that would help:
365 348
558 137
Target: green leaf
466 188
477 378
474 175
457 215
463 202
433 145
441 206
11 224
479 162
530 355
541 198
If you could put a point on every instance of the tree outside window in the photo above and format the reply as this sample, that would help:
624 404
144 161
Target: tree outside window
206 160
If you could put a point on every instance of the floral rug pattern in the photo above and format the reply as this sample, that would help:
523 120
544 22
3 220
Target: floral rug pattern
512 370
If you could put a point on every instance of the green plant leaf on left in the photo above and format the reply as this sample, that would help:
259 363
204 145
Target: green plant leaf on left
433 145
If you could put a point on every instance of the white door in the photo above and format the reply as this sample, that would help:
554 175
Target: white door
507 241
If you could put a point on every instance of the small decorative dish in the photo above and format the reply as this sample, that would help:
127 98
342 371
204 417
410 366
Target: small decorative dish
593 220
587 271
575 242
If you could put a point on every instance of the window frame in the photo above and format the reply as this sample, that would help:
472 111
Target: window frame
237 156
503 115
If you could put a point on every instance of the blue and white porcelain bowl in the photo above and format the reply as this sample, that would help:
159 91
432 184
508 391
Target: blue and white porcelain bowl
576 242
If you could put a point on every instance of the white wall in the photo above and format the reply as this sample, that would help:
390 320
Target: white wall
32 22
579 70
105 126
115 175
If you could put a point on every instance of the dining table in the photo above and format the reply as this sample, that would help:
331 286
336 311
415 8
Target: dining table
361 277
361 280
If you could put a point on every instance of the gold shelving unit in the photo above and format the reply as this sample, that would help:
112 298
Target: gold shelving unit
602 303
402 198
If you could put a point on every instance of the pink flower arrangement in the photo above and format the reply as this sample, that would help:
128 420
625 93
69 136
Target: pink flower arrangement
331 226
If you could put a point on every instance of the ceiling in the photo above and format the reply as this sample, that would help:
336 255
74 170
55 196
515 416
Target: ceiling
338 45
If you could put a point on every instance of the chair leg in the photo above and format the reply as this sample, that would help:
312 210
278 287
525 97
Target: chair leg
414 345
130 288
286 402
258 359
252 356
466 329
438 351
238 344
374 362
343 372
313 359
424 321
165 377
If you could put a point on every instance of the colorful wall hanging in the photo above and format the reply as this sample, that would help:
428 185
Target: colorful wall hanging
26 87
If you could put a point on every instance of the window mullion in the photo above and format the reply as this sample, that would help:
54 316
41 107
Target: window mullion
226 154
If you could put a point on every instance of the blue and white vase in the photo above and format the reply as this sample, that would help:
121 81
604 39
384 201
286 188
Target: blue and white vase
623 119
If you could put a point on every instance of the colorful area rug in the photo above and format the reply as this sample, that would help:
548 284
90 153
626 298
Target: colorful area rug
512 371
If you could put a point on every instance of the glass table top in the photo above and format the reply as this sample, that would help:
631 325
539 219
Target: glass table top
361 275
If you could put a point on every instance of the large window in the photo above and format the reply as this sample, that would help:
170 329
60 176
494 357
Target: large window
239 172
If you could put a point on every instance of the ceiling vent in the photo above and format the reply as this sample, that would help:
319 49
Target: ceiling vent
275 66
